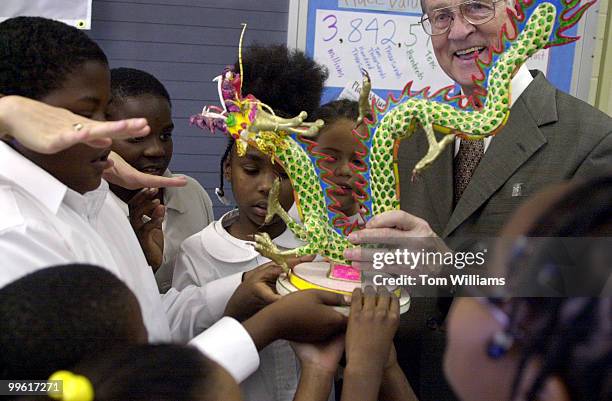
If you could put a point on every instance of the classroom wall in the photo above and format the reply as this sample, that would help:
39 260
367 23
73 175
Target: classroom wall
186 43
601 82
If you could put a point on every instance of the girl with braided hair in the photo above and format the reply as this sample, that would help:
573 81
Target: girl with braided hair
542 347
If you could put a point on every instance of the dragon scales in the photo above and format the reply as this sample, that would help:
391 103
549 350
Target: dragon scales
248 123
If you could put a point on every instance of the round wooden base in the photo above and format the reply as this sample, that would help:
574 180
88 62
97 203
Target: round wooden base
314 275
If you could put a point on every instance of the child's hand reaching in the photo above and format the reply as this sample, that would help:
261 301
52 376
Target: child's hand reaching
372 324
256 291
303 316
319 362
323 356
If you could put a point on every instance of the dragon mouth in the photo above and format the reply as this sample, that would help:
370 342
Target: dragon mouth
470 53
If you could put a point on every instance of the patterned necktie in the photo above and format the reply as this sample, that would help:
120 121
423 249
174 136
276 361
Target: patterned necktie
466 161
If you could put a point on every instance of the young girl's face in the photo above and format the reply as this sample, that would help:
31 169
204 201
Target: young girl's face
252 176
338 142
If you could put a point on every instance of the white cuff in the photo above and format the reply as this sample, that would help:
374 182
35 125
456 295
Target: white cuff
218 292
231 346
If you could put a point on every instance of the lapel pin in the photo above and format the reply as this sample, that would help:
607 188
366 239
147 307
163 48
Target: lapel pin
517 189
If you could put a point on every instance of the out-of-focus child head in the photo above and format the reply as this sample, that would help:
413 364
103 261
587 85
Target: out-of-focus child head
163 372
52 318
543 347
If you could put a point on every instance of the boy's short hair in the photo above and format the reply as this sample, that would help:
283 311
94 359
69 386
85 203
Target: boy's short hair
37 53
286 80
52 318
127 82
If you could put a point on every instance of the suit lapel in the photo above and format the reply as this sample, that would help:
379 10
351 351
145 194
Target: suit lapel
512 147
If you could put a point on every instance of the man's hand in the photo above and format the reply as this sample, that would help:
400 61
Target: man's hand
146 218
256 291
389 232
302 316
47 129
126 176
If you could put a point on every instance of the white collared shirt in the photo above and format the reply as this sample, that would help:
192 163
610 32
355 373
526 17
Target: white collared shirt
214 258
45 223
519 83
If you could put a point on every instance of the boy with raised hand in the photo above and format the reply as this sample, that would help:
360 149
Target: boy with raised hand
55 208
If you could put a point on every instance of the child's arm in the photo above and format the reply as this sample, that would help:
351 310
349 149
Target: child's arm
373 322
394 385
303 316
319 363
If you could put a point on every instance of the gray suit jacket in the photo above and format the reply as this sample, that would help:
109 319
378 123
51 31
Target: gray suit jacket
550 137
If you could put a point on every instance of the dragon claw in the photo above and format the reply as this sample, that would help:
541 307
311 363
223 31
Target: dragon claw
265 246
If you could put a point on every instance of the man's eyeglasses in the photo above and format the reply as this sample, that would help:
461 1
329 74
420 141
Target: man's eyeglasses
476 12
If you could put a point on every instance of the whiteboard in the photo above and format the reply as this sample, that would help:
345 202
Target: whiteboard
383 37
72 12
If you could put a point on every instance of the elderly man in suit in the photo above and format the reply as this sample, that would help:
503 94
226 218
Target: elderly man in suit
474 186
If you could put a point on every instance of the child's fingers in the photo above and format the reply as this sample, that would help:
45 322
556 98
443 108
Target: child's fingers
329 298
394 306
159 212
268 295
369 299
356 301
99 143
141 205
133 127
143 195
292 262
383 300
156 218
269 274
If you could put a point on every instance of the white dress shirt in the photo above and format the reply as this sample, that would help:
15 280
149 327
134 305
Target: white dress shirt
45 223
519 83
214 258
188 210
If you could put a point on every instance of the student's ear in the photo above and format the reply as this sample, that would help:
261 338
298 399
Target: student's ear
227 169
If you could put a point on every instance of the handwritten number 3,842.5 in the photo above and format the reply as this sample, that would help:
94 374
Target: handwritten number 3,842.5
332 25
356 34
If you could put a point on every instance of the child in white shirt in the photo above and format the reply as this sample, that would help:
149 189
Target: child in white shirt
225 248
289 82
